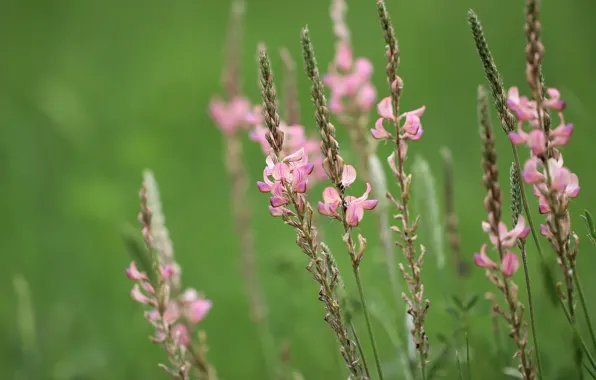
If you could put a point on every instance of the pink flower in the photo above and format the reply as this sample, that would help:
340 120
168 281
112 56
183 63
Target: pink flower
348 176
331 201
166 272
509 264
560 136
482 260
355 207
507 238
180 334
349 81
284 180
565 182
530 174
133 273
554 101
231 116
535 140
525 109
140 297
343 57
412 128
379 133
197 310
172 312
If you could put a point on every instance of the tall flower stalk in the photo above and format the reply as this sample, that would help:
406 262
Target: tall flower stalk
407 127
342 176
351 100
173 314
503 240
232 118
286 178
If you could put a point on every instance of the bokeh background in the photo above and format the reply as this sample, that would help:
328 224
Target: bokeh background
93 92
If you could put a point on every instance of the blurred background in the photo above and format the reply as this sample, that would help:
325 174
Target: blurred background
94 92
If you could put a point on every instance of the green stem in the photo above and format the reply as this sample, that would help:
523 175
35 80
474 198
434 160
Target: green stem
584 307
590 371
368 324
578 336
531 304
468 357
360 350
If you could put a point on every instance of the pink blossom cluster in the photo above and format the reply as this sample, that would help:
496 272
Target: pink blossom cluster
410 129
503 240
552 182
354 206
350 82
287 181
295 138
180 313
231 116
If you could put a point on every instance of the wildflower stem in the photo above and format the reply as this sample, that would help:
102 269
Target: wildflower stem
334 165
584 307
577 335
367 319
468 357
531 305
360 350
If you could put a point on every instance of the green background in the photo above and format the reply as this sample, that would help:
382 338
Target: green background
93 92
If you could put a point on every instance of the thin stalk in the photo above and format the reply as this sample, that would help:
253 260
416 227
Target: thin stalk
584 307
468 358
531 304
368 324
578 336
461 372
360 350
590 371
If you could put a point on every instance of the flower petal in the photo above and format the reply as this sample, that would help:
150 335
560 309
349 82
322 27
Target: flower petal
385 109
348 175
509 264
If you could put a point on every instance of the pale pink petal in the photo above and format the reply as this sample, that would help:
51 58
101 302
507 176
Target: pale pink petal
348 175
516 139
278 201
134 274
180 334
561 134
166 271
197 310
531 174
138 296
330 195
363 68
354 213
572 189
482 260
276 211
370 204
296 156
385 108
379 132
509 264
537 141
343 57
366 97
545 231
418 112
263 187
172 312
